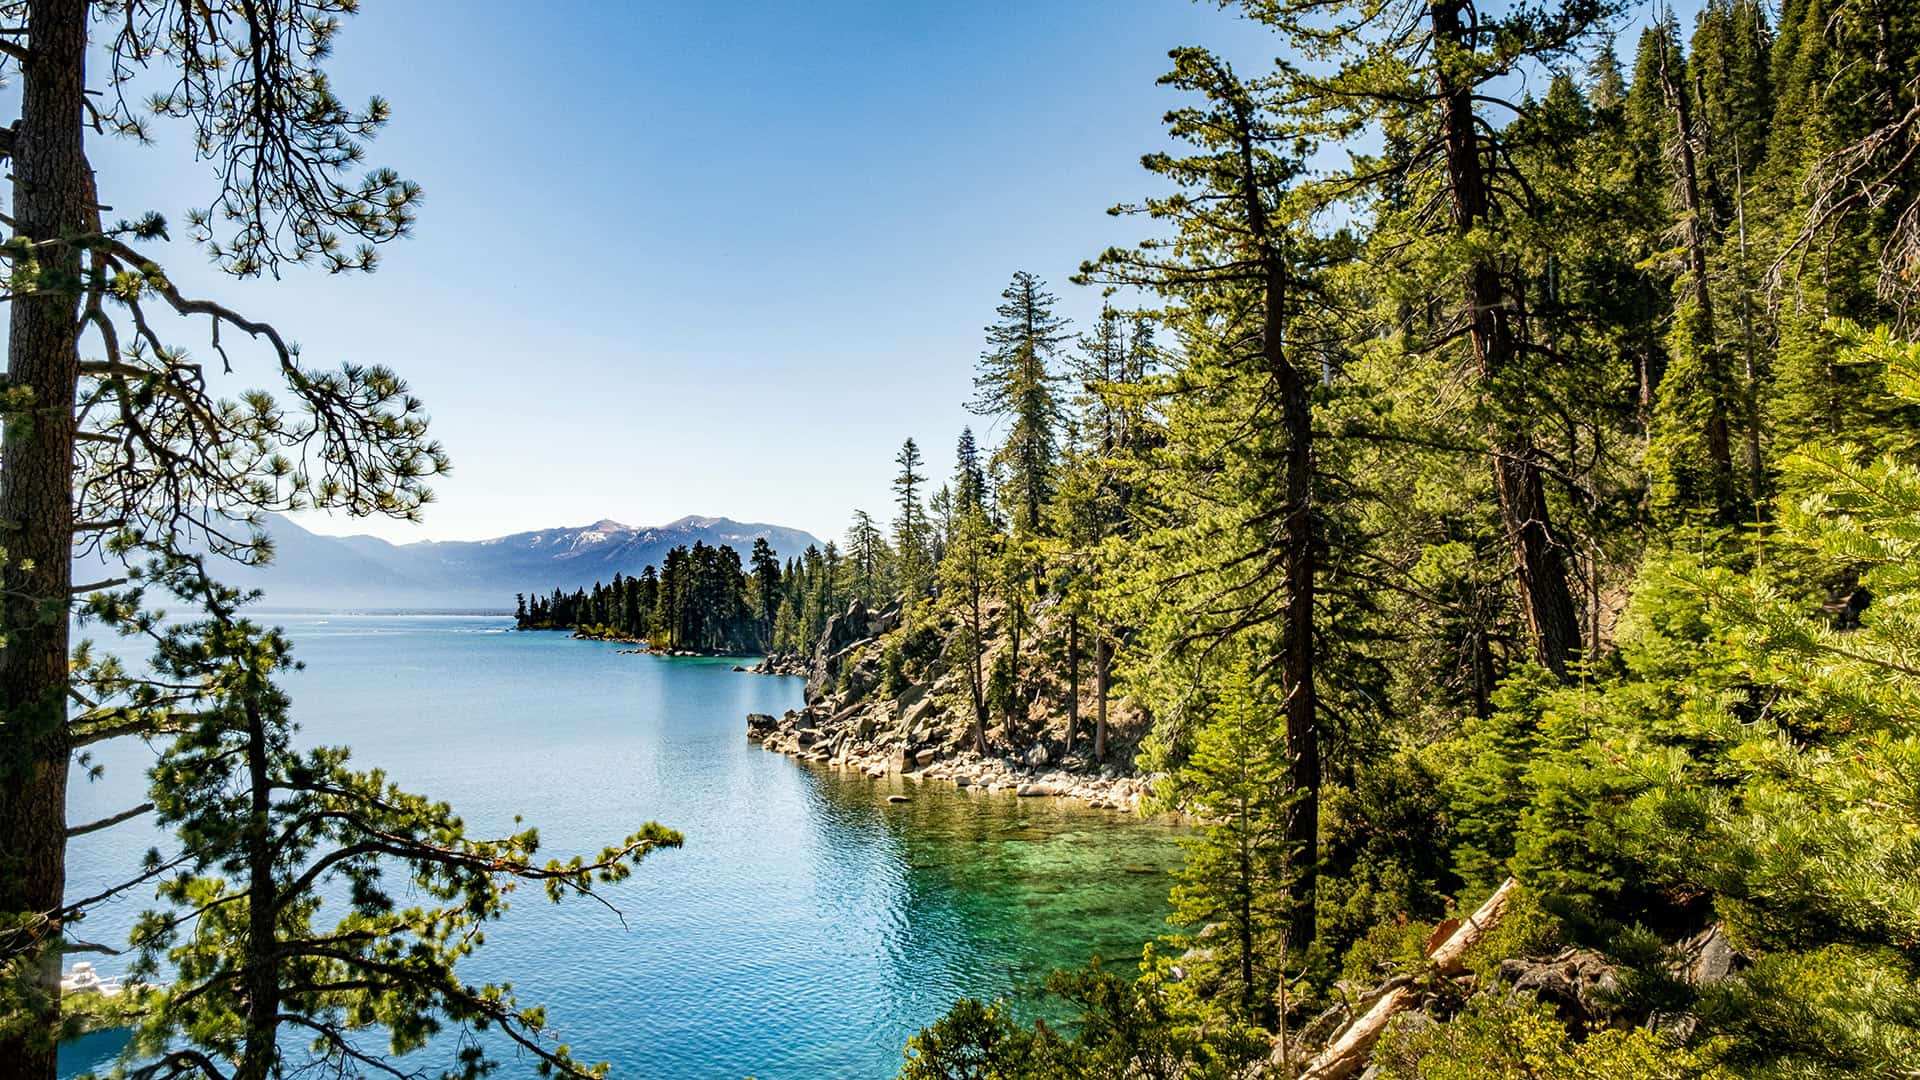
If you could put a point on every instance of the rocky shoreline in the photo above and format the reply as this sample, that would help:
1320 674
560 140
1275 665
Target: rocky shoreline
800 734
643 648
787 663
907 717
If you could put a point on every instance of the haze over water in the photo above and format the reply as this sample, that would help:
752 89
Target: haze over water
807 928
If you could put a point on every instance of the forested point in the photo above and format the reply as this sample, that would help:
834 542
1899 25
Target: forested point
1493 485
703 601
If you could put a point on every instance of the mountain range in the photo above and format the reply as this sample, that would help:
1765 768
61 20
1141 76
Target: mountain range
311 570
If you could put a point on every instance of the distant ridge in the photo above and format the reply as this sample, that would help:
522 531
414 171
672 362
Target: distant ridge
310 570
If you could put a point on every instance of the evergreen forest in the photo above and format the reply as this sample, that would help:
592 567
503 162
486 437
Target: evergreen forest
702 601
1491 485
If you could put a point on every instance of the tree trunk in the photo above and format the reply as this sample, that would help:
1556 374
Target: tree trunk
51 205
263 970
1301 696
1297 676
1686 170
1073 679
1539 565
1102 664
978 685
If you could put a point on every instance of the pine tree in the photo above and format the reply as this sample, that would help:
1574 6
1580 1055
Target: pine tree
940 523
125 454
867 559
272 829
1690 453
969 478
1016 385
1238 877
766 589
911 537
1240 258
1095 501
965 578
1428 75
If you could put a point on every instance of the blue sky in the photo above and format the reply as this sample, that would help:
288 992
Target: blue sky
705 258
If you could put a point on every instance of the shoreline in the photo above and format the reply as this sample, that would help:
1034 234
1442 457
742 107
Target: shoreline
645 648
796 736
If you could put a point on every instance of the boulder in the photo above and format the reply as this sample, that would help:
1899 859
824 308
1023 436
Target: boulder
760 725
1707 957
917 713
864 674
1036 756
841 631
1579 983
910 697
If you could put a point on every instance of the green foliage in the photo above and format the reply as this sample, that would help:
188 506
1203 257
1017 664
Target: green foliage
1756 760
976 1041
1547 356
1518 1040
1016 383
244 940
1834 1011
1124 1029
1239 877
913 538
702 599
1386 844
1607 539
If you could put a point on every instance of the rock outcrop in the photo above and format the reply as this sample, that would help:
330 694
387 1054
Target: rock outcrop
783 663
1580 984
882 696
860 739
842 632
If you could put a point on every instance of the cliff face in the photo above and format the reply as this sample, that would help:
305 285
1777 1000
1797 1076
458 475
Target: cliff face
883 696
842 645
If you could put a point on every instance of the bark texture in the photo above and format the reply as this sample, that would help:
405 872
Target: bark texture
1540 571
51 207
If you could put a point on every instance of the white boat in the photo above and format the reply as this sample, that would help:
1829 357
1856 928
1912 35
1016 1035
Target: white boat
82 979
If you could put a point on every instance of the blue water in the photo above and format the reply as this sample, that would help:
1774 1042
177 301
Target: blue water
807 928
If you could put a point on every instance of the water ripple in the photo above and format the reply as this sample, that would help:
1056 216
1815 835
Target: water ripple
807 928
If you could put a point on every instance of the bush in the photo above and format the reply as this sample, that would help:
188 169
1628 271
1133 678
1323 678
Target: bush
1500 1038
1128 1029
893 669
980 1041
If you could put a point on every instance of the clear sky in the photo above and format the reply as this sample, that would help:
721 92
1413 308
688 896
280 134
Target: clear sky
712 258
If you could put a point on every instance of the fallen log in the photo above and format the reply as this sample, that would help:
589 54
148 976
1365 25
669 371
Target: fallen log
1352 1048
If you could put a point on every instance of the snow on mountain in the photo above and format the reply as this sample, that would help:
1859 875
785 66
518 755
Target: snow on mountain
311 570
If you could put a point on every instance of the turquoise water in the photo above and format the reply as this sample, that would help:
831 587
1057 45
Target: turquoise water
806 930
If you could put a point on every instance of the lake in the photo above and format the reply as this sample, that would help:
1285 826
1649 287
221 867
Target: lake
808 927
